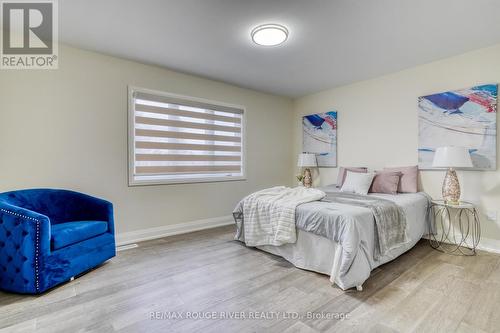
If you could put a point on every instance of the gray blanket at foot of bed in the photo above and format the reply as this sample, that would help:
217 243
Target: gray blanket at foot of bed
390 219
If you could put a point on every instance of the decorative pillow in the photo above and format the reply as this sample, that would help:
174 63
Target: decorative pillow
356 182
342 173
408 181
386 182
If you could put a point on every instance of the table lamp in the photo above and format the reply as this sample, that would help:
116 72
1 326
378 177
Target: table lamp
307 161
451 157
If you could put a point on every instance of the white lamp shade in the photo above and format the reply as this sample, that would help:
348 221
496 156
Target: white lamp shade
452 157
307 160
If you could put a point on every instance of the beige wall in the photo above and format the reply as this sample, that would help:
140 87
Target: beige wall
67 128
378 123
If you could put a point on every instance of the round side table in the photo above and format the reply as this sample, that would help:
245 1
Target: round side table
456 228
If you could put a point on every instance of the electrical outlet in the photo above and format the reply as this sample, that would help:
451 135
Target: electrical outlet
491 215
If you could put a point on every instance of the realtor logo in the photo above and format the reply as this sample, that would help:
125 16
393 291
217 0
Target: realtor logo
29 34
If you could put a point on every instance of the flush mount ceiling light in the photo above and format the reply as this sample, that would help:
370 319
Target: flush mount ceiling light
269 34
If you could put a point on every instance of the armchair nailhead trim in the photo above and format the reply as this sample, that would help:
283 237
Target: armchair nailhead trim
37 244
19 215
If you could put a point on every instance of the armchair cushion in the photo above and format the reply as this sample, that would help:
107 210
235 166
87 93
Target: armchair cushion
68 233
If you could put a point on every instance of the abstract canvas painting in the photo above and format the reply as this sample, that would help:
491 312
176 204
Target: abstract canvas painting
465 118
319 136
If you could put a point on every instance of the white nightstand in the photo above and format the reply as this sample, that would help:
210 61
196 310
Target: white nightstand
456 229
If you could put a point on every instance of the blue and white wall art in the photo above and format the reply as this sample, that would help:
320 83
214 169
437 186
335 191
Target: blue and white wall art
465 118
319 136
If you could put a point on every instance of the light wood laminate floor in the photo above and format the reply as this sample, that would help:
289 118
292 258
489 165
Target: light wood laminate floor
208 274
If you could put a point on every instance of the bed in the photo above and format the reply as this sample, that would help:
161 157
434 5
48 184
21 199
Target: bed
348 252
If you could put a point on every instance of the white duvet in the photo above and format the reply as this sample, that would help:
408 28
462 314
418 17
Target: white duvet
269 214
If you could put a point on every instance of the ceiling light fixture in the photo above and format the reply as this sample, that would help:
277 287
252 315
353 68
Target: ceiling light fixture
269 34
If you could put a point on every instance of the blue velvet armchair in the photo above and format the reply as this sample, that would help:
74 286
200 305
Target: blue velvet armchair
49 236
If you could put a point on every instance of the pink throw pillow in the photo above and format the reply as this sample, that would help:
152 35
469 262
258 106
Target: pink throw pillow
343 172
408 181
386 182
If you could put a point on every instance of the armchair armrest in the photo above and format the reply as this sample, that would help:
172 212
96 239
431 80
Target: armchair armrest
24 243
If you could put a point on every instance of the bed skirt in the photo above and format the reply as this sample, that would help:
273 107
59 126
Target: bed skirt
311 252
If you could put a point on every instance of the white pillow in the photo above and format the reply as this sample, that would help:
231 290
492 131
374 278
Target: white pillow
358 183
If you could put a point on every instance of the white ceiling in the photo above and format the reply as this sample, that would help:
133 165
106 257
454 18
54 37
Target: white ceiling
331 43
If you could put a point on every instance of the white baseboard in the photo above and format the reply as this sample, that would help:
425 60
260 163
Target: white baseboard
486 244
170 230
489 245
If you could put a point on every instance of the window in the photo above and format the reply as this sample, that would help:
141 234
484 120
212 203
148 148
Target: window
178 139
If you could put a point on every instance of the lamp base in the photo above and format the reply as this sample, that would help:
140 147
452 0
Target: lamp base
307 178
451 188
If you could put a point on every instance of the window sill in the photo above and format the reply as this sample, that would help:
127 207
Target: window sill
133 183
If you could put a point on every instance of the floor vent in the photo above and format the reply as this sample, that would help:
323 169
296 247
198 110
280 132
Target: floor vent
126 247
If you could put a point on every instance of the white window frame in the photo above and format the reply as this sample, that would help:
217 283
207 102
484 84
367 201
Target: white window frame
132 181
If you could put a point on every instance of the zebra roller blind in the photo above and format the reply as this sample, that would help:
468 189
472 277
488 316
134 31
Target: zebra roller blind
179 139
